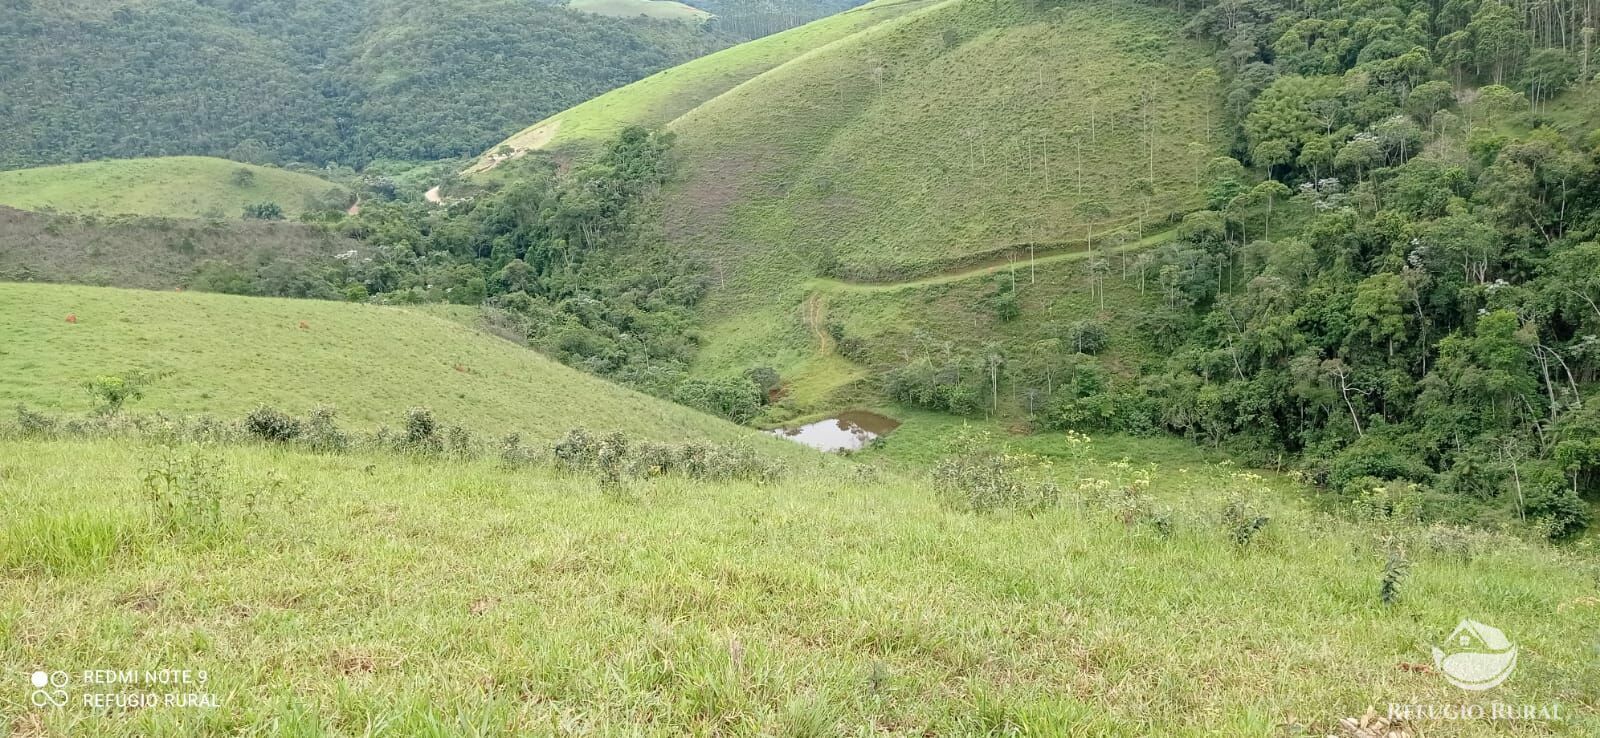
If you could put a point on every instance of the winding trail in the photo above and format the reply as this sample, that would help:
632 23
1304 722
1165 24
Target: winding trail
815 308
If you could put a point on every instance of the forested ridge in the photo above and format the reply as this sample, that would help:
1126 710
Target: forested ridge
311 81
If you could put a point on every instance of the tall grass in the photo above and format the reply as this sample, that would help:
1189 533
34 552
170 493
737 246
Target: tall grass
401 596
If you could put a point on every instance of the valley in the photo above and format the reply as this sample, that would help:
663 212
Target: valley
801 368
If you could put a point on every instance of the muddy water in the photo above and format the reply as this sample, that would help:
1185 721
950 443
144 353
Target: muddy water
847 431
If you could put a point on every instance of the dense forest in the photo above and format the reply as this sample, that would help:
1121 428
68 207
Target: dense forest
1428 328
321 81
313 81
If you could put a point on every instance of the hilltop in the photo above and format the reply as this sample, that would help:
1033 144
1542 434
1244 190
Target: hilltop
174 186
224 355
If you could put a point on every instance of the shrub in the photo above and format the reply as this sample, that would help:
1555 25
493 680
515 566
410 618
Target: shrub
615 456
1242 520
609 457
31 423
269 424
1085 336
112 391
422 432
511 451
1396 567
1547 501
322 432
764 378
734 398
976 479
459 442
263 211
185 492
576 451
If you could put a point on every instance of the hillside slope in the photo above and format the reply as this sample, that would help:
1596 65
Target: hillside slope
225 355
953 135
174 186
661 98
307 80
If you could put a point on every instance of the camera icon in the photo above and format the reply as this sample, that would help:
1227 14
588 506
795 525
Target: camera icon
49 689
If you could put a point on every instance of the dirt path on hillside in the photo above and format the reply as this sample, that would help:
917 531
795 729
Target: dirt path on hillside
433 195
815 313
991 265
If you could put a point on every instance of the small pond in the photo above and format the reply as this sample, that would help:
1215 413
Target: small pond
847 431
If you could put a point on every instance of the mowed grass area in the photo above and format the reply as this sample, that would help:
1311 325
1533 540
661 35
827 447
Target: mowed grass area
379 595
658 99
659 9
174 186
225 355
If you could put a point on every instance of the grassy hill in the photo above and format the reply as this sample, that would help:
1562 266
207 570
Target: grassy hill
921 149
659 99
661 9
224 355
452 598
174 186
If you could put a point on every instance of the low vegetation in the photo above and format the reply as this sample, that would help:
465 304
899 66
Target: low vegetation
277 258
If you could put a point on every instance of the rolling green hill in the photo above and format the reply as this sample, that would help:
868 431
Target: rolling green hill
175 186
660 9
224 355
661 98
903 141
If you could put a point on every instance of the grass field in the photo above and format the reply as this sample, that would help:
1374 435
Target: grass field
659 9
224 355
376 595
176 186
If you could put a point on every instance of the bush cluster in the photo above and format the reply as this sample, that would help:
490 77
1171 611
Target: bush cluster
612 456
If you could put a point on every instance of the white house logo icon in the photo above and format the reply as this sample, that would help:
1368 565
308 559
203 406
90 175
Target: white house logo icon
1476 657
